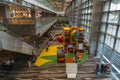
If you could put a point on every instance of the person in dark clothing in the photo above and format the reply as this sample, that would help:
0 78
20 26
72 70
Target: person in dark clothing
2 66
47 46
98 65
102 68
107 69
11 63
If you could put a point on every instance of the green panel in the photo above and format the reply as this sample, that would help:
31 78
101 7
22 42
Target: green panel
85 57
48 63
52 58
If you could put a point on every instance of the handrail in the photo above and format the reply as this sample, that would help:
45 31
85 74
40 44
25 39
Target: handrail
46 22
12 43
9 31
16 20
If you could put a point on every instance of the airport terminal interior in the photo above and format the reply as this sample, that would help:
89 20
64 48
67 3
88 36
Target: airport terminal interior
59 39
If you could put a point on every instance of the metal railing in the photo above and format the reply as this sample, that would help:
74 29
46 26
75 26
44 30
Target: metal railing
12 43
19 2
12 33
47 21
14 21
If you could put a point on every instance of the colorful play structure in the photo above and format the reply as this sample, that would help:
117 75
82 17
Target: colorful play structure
72 50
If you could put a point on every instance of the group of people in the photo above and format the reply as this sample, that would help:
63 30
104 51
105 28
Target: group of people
8 65
102 68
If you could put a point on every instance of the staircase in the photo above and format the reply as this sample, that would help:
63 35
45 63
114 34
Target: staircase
86 71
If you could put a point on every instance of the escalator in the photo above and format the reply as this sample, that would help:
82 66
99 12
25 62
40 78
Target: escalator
11 43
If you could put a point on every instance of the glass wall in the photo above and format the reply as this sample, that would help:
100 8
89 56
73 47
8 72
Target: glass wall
85 12
110 36
109 30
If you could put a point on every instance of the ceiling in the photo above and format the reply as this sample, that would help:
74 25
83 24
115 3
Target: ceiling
56 5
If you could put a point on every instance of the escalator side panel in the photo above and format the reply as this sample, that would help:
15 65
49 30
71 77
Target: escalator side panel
11 43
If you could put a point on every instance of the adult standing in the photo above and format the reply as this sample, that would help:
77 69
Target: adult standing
47 46
11 63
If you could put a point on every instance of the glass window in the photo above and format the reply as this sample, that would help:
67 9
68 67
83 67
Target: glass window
113 17
106 6
111 29
85 10
113 70
99 55
91 2
118 34
117 46
109 41
89 10
115 5
118 75
101 38
104 18
103 27
76 3
85 16
11 0
85 22
89 17
87 30
83 1
104 60
107 52
88 23
23 2
82 21
82 17
116 60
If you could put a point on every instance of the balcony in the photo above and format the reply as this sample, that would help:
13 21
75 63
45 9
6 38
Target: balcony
17 21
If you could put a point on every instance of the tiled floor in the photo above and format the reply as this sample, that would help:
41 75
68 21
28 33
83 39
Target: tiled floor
86 71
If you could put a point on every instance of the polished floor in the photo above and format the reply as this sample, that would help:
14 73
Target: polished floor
86 71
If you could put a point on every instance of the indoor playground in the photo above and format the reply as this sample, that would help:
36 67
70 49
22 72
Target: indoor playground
71 50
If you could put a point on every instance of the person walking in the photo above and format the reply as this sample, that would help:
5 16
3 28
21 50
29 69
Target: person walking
11 63
29 64
7 65
47 46
98 68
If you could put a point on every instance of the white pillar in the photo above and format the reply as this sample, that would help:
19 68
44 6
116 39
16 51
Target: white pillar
71 70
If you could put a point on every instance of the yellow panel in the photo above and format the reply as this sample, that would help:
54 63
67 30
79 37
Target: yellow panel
66 28
81 29
41 61
52 51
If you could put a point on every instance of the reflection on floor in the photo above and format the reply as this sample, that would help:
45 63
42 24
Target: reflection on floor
86 71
